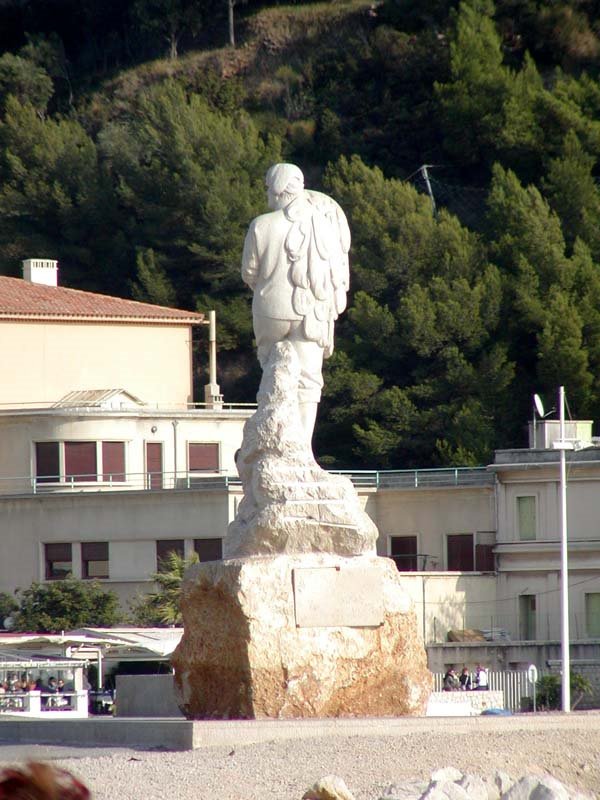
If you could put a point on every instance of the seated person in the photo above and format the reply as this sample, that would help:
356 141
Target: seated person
481 678
451 683
465 679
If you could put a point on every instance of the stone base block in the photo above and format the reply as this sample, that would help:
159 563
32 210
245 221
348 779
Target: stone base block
312 635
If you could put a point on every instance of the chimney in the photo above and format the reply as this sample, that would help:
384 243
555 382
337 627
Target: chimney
41 270
212 391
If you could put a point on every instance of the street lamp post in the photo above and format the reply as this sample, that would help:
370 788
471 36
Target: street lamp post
563 446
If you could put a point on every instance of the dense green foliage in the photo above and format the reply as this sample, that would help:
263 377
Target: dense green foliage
141 178
64 605
549 690
8 606
161 607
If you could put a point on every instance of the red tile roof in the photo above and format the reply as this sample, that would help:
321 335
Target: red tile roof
20 299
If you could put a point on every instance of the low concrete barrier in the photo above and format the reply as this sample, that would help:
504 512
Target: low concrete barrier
146 696
463 704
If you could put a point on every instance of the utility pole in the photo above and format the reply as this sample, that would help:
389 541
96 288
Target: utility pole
563 446
230 5
425 175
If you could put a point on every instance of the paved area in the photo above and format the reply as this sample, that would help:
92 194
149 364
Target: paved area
368 754
180 734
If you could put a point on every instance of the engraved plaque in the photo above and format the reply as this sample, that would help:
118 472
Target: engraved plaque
328 597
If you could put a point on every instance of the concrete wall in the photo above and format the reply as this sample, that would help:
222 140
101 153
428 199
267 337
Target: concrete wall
146 696
450 704
130 522
430 515
450 600
532 567
48 359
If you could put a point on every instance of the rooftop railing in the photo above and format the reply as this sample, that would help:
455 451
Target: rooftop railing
44 407
420 478
214 481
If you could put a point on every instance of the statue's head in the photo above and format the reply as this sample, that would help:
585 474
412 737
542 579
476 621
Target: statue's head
284 182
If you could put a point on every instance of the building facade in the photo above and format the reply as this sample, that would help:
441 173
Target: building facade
108 462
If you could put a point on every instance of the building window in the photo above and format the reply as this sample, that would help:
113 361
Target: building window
461 555
592 615
94 559
154 465
403 550
113 461
526 522
527 617
164 547
209 549
47 462
203 457
59 560
80 461
484 551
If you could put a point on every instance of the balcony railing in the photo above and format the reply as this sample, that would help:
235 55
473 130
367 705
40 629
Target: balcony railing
420 478
141 408
116 482
211 481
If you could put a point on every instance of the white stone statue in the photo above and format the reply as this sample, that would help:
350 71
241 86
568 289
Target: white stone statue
296 261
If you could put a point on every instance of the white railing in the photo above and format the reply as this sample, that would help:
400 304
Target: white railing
420 478
131 481
209 481
163 408
39 703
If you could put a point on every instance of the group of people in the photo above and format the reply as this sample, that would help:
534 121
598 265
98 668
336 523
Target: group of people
466 682
14 686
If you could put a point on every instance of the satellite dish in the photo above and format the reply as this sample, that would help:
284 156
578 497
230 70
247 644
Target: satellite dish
539 406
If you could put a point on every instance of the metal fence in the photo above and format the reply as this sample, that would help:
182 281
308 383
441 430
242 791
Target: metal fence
420 478
136 481
514 686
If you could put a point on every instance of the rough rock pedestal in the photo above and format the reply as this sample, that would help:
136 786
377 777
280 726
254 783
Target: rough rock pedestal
302 618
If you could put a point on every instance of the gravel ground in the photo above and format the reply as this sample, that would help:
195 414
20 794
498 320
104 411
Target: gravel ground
566 746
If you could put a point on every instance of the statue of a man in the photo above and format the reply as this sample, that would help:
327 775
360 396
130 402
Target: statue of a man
296 261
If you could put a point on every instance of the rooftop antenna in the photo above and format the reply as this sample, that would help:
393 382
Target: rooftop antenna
425 175
538 407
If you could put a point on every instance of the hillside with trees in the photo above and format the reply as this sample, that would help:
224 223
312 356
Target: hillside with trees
461 138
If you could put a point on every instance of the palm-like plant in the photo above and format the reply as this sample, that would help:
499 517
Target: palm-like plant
161 607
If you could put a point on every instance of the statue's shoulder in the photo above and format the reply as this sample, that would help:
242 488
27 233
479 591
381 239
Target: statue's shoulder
322 201
330 210
266 220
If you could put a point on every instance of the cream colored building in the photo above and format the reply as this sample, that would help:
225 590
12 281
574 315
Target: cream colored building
106 460
528 543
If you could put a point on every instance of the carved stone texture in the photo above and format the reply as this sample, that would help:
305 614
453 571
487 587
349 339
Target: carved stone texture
290 504
243 655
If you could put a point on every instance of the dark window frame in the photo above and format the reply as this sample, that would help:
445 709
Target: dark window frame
213 549
94 553
203 456
405 561
57 553
168 546
48 459
76 453
47 462
457 551
113 461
